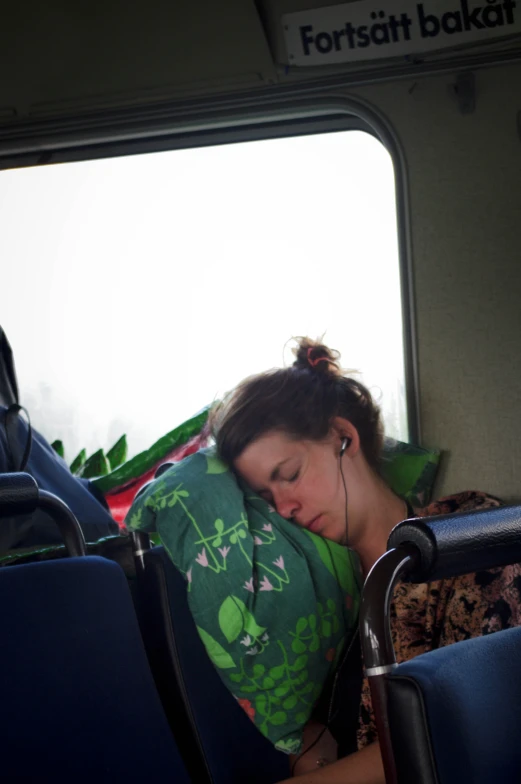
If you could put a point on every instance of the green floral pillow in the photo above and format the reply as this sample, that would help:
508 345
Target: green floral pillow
274 604
410 470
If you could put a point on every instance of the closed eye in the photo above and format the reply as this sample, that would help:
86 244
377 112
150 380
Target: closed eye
294 477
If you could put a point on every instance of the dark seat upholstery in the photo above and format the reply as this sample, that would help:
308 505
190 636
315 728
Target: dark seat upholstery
455 713
78 701
52 474
231 749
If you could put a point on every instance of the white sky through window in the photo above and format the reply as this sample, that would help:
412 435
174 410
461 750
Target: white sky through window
138 289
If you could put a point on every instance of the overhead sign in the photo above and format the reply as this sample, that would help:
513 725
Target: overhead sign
360 30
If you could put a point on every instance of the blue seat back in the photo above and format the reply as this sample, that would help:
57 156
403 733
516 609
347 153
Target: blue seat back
232 748
78 699
455 713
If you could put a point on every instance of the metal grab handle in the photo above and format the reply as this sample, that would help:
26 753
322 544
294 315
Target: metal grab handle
20 494
66 521
462 542
377 644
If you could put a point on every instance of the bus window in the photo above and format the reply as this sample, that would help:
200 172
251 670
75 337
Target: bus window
143 287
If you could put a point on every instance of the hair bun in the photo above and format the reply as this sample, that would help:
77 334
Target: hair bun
313 355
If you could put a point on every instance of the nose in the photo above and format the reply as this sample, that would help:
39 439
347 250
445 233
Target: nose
285 503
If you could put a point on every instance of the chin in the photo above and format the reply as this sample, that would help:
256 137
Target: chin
333 536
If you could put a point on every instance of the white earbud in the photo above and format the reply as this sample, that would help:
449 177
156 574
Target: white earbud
343 446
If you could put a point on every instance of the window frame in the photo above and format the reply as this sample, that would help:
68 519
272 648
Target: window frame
215 121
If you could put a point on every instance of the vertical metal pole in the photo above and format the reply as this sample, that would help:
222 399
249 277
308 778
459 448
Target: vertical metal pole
66 521
377 644
140 545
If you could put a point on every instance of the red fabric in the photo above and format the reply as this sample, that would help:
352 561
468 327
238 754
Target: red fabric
120 498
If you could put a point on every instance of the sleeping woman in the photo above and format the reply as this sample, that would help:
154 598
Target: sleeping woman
308 439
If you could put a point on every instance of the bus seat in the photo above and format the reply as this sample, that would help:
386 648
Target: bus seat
455 713
78 699
231 747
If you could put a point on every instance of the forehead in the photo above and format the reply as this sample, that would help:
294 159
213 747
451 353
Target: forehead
259 459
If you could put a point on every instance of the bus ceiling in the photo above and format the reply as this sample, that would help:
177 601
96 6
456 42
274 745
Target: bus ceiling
72 78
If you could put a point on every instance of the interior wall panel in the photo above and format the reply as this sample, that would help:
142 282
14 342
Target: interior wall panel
464 175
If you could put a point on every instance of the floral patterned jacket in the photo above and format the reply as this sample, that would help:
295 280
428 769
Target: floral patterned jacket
429 615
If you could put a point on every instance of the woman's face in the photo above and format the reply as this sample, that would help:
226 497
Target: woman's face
300 478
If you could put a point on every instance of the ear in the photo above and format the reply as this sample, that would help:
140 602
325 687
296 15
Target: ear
342 428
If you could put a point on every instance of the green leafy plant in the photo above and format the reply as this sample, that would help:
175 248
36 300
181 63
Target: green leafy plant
78 462
58 447
97 464
117 455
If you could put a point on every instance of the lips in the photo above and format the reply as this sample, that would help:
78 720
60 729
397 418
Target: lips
315 524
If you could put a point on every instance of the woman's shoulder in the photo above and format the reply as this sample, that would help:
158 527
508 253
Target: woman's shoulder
459 502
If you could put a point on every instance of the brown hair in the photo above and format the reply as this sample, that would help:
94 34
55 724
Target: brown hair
300 400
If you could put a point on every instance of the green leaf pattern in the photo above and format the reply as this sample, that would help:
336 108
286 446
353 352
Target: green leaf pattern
216 652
